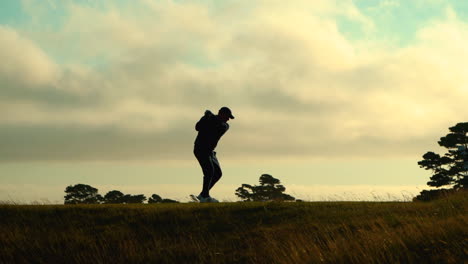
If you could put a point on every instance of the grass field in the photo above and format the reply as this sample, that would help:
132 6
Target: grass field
302 232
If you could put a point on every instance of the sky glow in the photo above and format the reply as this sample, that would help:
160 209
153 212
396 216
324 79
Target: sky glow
311 83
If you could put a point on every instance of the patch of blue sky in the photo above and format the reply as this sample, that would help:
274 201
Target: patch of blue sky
48 16
12 13
41 16
398 21
461 8
351 29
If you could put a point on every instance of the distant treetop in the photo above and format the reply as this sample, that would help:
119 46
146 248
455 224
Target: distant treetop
268 190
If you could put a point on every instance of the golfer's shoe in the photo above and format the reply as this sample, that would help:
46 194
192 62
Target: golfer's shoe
200 198
207 199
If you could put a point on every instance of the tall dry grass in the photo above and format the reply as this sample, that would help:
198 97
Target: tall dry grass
319 232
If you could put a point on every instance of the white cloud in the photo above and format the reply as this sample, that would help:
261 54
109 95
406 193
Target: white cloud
294 81
23 61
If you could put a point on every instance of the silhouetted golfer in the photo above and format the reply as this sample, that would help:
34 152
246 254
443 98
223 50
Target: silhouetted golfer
210 129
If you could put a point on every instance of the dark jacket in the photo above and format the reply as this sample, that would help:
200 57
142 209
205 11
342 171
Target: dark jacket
210 129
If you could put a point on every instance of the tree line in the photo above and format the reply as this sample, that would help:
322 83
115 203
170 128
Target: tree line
270 189
449 170
86 194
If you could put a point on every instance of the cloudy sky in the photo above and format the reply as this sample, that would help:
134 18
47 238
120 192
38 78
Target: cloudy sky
337 98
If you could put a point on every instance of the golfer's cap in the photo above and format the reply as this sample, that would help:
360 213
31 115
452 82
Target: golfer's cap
226 110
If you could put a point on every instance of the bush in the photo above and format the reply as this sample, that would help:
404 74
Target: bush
430 195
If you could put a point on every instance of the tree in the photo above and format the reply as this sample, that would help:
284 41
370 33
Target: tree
269 189
450 169
429 195
133 199
114 197
155 199
82 194
117 197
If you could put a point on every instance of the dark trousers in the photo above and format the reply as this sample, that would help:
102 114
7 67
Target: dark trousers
211 169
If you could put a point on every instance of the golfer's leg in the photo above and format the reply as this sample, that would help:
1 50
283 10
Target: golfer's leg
207 167
217 172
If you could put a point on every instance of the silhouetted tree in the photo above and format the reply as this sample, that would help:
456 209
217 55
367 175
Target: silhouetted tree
117 197
114 197
133 199
82 194
429 195
155 199
269 189
246 192
452 168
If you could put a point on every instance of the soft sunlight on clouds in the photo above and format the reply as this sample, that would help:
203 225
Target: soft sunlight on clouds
127 82
23 61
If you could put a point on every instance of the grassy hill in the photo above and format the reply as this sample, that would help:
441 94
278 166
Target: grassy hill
307 232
